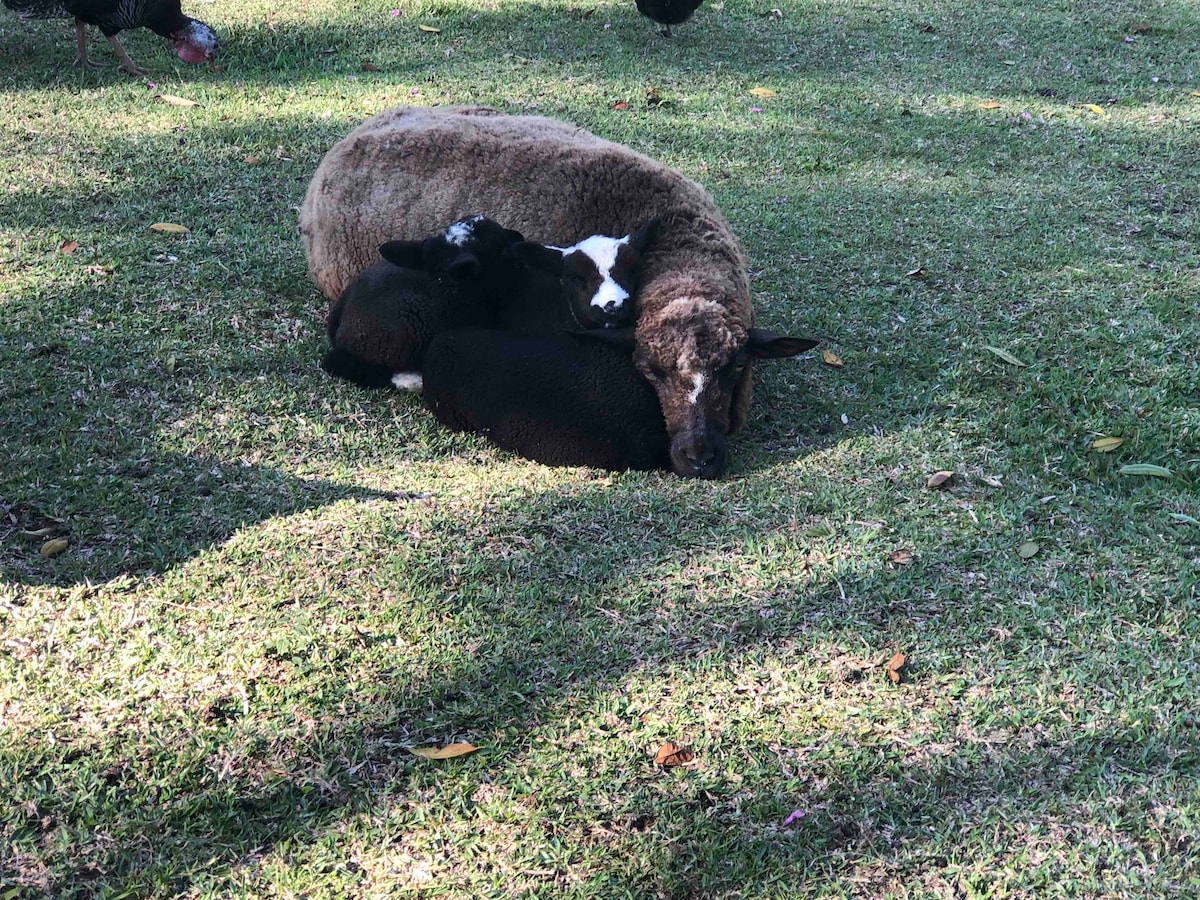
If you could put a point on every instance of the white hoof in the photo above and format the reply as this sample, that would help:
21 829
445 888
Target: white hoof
407 381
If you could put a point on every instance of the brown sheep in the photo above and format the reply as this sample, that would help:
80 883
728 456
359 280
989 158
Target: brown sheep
407 171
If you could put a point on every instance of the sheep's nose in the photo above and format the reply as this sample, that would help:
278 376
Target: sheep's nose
700 459
612 306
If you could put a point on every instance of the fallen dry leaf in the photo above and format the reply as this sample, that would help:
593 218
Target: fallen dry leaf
918 272
68 247
893 667
1107 444
1093 108
672 754
450 751
96 269
168 228
1005 355
1145 469
989 104
1028 549
369 66
1140 28
762 92
252 160
620 104
937 479
176 101
831 359
900 557
55 547
429 29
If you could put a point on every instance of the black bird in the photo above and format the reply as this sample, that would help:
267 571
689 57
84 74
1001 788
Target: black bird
665 12
194 41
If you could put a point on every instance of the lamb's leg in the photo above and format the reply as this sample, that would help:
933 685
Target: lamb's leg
127 64
81 57
666 31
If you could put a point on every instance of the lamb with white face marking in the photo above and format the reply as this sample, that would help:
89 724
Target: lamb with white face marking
381 325
599 275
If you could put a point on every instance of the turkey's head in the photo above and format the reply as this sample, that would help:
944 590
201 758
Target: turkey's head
195 42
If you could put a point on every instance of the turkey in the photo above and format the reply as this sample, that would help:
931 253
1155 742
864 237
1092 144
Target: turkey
194 41
665 12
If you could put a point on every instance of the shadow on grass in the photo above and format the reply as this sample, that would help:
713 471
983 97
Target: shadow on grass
313 749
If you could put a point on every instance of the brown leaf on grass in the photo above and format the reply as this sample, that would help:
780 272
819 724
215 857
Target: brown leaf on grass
176 101
764 92
97 270
918 272
989 104
450 751
429 29
620 104
831 359
937 479
1107 444
900 557
672 754
54 547
1028 549
893 666
168 228
252 160
368 66
68 247
1093 108
1140 28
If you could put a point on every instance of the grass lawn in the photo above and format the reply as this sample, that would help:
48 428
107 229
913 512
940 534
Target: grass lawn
275 585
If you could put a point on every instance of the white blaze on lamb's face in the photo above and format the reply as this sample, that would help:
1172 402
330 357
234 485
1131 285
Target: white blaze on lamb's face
458 233
697 387
603 273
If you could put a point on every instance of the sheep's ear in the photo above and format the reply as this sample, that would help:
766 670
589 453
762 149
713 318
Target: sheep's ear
513 237
616 337
406 254
765 344
537 256
645 236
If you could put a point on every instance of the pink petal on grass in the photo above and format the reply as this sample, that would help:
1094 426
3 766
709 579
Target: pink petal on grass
756 109
795 816
394 12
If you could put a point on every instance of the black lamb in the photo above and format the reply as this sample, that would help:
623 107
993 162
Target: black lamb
561 400
194 41
476 272
381 325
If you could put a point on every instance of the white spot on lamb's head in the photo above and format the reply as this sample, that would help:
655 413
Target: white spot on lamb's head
697 387
458 233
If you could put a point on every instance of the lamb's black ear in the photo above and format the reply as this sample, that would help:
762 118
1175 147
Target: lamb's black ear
405 254
645 236
536 256
513 237
765 344
616 337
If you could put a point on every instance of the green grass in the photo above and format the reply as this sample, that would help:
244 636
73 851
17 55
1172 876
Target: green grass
275 584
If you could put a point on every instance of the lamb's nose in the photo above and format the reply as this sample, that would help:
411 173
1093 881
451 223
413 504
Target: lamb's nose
612 306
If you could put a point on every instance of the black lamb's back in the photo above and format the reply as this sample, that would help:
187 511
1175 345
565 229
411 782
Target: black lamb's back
558 400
